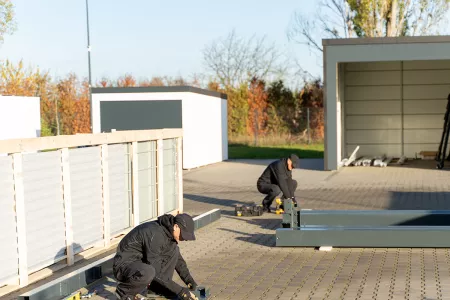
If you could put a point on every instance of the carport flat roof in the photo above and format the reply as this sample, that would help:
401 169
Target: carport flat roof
158 89
387 40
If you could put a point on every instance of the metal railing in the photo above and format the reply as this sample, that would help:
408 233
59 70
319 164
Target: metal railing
60 196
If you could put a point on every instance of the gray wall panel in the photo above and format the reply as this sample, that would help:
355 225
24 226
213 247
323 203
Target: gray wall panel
373 122
139 115
372 93
369 66
372 78
86 193
8 238
119 197
170 180
413 122
426 92
147 180
44 208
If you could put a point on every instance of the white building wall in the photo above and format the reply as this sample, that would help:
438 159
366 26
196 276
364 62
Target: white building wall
20 117
202 129
204 119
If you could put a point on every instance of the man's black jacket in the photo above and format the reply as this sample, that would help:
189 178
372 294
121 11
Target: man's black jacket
153 243
278 173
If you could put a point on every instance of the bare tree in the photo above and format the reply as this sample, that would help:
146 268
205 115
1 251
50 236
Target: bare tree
234 60
368 18
333 19
7 22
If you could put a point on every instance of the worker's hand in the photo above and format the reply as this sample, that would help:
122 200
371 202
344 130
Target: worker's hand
294 200
186 294
191 284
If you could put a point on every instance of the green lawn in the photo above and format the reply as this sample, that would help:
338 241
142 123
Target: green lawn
273 152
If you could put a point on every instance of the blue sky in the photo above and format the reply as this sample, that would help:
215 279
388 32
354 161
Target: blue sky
143 37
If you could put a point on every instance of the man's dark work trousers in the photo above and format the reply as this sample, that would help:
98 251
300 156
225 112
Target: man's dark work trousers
272 191
135 277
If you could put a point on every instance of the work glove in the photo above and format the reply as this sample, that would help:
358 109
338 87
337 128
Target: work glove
192 285
186 294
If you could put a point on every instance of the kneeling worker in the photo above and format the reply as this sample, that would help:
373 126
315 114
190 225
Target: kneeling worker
277 178
148 255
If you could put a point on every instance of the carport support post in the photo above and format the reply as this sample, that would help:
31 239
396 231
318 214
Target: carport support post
332 115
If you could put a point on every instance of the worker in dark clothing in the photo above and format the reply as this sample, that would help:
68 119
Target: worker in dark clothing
148 255
277 178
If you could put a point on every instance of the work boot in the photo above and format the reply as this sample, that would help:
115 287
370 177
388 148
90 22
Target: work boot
266 209
123 297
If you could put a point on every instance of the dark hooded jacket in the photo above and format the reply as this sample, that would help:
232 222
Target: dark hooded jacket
153 243
278 173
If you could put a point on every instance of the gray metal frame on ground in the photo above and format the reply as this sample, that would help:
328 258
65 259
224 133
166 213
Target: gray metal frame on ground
364 228
85 276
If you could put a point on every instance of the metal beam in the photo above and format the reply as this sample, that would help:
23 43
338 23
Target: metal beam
344 236
375 218
363 228
71 282
207 218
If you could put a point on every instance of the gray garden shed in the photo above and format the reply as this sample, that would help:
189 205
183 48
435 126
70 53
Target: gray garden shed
386 95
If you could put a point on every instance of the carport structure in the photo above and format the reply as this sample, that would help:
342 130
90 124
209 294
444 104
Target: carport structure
386 95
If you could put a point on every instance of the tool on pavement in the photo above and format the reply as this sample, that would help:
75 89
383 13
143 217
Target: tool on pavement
78 296
249 210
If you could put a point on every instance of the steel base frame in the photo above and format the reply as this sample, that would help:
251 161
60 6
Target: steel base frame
364 228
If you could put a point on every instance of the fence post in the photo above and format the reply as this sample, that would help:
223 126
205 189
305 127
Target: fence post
309 128
106 200
180 173
70 256
135 182
160 175
21 221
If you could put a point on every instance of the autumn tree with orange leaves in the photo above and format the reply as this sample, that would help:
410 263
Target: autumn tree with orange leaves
257 107
81 122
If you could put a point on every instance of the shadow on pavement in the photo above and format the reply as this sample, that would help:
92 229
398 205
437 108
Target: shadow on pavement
313 164
215 201
262 239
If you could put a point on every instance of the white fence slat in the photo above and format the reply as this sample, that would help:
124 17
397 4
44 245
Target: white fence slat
86 192
67 206
106 199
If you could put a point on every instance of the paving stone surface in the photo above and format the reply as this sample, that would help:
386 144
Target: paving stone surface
237 258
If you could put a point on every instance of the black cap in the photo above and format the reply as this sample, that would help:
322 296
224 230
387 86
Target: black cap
186 224
295 160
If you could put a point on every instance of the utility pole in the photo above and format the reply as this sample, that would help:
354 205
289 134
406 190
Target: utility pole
89 66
